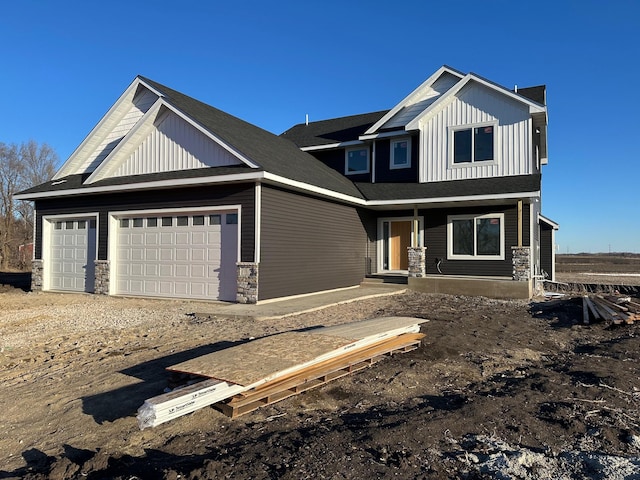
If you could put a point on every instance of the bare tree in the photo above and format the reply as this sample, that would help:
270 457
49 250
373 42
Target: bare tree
21 166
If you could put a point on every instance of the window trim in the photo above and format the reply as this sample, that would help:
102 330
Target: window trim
470 126
346 160
452 256
392 164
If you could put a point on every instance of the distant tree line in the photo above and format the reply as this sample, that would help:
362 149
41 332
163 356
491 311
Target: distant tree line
21 167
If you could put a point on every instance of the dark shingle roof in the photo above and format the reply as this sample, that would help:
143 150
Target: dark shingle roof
274 154
450 188
335 130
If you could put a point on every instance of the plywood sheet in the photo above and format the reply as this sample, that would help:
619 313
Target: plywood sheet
265 359
367 328
251 362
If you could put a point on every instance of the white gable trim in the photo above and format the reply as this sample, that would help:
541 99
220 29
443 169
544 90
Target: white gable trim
407 100
449 95
99 132
137 134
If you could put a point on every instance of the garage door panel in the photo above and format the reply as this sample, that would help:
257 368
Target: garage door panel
182 258
165 270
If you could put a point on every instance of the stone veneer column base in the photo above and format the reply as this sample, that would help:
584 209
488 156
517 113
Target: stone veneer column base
247 282
417 261
521 259
101 285
37 272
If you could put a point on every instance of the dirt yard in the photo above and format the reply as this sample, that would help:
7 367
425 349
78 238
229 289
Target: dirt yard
499 389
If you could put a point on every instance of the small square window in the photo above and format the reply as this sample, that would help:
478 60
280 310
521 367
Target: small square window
137 222
357 161
69 224
167 221
400 153
57 226
152 222
124 223
232 218
183 221
82 224
198 219
215 219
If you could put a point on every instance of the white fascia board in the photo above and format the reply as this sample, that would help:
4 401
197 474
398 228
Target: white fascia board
466 198
328 146
312 188
180 182
426 84
548 221
92 136
373 136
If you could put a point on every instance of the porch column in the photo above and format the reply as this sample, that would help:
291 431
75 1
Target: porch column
521 263
417 261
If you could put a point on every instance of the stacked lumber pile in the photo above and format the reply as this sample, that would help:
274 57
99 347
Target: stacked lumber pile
616 309
242 378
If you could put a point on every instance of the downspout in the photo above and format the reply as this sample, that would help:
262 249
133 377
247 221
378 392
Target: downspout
373 163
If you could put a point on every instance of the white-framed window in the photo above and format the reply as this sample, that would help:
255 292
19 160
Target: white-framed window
357 160
473 143
400 153
475 237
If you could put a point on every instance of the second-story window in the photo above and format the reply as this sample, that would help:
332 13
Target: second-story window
400 153
474 144
357 160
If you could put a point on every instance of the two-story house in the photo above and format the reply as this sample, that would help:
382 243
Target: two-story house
170 197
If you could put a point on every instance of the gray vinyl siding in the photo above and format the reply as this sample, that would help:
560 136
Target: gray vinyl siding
546 248
242 194
436 241
308 245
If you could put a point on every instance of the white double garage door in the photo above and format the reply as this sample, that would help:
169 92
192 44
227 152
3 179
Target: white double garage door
159 254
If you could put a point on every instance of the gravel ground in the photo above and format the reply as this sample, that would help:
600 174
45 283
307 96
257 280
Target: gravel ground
499 389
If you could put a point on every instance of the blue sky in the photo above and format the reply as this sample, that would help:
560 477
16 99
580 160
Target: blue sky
270 63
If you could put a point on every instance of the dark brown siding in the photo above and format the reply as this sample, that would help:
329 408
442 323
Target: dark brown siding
167 198
308 245
436 241
546 249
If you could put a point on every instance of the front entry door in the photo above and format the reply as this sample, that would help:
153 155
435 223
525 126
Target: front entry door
399 241
395 236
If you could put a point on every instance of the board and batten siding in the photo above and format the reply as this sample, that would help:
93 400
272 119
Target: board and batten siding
174 145
141 104
178 198
308 245
435 233
477 104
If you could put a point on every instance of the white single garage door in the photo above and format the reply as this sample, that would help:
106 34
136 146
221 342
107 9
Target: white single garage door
73 254
178 255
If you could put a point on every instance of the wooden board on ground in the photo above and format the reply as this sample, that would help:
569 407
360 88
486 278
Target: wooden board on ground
312 377
265 359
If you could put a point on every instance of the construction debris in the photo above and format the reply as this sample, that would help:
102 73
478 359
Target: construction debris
261 372
616 309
